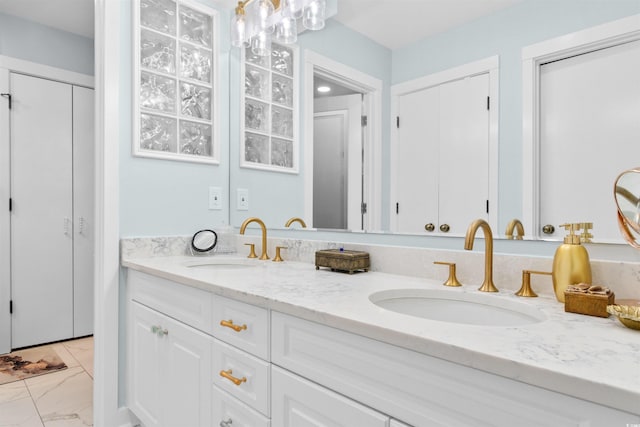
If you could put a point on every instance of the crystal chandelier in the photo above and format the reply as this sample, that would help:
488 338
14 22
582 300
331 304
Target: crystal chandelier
257 22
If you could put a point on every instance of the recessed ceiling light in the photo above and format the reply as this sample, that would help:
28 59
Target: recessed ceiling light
323 89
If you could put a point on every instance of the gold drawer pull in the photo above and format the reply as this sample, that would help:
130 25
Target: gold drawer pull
229 324
237 381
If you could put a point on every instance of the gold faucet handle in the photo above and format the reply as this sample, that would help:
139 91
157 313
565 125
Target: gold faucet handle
526 290
452 280
252 252
278 258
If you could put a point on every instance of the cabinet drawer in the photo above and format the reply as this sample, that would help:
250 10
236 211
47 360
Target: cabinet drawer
247 326
189 305
252 372
230 412
298 402
422 390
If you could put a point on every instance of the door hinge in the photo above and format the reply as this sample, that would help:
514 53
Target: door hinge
397 208
7 95
488 102
10 204
363 120
10 306
487 206
398 122
363 208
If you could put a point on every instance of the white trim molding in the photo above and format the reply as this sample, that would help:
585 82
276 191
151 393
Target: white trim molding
533 57
490 65
106 408
45 71
372 89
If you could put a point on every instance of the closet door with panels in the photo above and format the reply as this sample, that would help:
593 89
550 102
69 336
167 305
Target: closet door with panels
41 216
83 166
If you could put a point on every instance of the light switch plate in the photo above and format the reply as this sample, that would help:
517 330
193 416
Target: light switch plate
215 198
243 199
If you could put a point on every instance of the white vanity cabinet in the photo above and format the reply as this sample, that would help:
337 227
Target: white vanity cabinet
195 358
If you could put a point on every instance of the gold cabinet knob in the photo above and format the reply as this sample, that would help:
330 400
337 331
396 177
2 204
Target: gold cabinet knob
229 324
429 227
548 229
228 375
445 228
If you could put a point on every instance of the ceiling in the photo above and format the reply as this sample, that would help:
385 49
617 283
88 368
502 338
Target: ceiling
397 23
391 23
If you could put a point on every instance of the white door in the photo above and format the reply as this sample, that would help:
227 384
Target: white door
443 157
330 170
349 107
589 104
463 191
83 167
41 217
418 148
297 402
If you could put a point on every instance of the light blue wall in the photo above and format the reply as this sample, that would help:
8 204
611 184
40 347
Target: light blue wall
163 197
273 196
505 34
33 42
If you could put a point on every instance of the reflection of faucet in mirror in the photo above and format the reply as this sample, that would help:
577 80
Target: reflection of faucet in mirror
296 219
519 228
487 285
246 222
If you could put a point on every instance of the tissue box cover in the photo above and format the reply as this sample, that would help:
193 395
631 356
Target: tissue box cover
592 305
342 260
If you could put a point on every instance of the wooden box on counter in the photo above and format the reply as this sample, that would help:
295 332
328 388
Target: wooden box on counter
590 304
342 260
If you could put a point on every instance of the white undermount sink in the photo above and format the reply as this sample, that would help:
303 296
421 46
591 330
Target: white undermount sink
458 307
220 263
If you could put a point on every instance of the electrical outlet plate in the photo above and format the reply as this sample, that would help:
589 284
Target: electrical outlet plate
243 199
215 198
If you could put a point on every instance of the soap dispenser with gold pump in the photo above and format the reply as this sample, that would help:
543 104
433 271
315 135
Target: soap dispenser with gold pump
570 262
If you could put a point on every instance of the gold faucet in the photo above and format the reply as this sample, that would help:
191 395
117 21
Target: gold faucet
246 222
519 228
296 219
487 285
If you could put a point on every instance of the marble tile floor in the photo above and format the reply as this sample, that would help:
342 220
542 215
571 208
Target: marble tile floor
57 399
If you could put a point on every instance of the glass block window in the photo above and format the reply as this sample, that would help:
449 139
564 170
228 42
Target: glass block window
269 123
175 79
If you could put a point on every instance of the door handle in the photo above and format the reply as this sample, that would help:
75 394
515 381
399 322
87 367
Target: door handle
66 226
445 228
429 227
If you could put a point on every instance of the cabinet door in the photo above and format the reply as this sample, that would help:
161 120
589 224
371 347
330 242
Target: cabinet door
41 219
83 167
300 403
463 190
186 373
417 159
169 370
145 352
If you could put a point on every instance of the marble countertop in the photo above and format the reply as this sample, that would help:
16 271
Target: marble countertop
595 359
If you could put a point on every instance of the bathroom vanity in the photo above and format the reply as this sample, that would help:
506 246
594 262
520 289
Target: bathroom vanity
234 342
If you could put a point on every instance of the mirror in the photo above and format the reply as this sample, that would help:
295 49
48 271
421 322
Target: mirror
275 197
204 241
627 197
